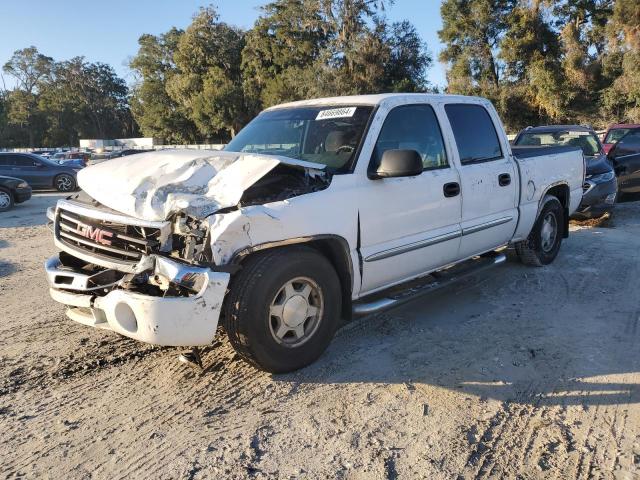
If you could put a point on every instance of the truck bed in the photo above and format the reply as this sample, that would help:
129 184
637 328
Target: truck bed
534 151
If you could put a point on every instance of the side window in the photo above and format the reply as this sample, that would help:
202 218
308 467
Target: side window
25 161
6 161
413 127
475 134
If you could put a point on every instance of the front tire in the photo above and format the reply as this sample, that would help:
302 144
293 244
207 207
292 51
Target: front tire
283 308
6 200
543 244
64 183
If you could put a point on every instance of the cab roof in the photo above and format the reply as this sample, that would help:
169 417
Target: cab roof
380 99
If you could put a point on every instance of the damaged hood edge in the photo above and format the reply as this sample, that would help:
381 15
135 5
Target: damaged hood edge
155 185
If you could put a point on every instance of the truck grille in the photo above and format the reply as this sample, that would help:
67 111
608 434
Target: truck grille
114 241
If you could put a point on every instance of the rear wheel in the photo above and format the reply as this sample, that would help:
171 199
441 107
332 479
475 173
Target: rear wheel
6 200
543 244
65 183
283 308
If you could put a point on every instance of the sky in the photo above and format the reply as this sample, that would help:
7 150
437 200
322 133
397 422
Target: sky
108 31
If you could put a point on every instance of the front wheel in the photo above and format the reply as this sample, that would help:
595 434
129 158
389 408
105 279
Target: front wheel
6 200
543 243
65 183
283 308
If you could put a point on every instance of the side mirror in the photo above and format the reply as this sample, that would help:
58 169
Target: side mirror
612 153
398 163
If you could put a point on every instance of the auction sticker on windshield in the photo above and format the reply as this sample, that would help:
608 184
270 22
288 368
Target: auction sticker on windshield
336 113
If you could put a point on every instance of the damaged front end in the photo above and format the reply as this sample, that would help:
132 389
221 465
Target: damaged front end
150 266
118 273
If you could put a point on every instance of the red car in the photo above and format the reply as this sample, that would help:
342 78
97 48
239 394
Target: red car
615 133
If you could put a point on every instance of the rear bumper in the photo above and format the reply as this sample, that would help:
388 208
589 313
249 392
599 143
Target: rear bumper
172 321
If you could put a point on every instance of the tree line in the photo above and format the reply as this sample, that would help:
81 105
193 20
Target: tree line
56 103
546 61
539 61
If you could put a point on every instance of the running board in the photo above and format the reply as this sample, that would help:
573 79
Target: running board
417 288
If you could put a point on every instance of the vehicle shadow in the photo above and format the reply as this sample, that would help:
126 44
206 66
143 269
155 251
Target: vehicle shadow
6 268
517 335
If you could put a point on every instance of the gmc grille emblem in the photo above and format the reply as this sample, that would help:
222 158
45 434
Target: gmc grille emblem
94 233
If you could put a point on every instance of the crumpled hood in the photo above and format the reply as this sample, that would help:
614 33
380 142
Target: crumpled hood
154 185
598 164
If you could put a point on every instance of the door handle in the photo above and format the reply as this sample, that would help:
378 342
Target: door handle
451 189
504 179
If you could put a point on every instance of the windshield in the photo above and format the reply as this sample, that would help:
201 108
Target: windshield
587 141
326 135
616 134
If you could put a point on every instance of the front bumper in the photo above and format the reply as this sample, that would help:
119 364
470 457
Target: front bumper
599 198
171 321
23 194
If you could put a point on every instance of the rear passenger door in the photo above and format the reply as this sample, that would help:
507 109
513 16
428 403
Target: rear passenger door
488 179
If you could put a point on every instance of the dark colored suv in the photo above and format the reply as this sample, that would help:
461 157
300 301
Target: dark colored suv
600 186
38 171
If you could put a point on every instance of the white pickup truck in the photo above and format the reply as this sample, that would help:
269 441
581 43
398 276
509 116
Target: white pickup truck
315 211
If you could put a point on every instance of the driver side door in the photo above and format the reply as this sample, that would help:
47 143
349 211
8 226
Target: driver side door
409 225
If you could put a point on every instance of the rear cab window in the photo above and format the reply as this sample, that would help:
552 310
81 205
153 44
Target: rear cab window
474 132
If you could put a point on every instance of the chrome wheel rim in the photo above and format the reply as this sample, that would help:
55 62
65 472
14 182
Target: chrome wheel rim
5 200
64 183
296 311
549 232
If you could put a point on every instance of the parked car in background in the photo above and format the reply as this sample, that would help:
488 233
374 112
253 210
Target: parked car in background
600 186
625 157
44 153
38 171
75 159
316 210
12 191
125 153
615 133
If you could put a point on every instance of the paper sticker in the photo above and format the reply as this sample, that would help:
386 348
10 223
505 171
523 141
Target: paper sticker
336 113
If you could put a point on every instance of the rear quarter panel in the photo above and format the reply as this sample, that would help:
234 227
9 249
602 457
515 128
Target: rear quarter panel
541 173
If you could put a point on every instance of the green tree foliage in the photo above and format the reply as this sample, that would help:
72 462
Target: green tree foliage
154 110
622 98
216 77
208 81
282 49
304 48
56 103
545 61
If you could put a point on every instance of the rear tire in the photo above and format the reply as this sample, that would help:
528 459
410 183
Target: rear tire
6 200
64 183
283 308
543 244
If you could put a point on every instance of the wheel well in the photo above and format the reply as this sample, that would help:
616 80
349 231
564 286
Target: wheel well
336 250
561 192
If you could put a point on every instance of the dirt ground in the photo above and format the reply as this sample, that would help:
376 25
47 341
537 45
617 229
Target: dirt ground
523 373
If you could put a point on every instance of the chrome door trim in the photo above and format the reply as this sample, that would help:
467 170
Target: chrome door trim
484 226
392 252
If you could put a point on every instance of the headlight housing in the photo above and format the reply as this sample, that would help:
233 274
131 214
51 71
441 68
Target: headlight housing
602 177
23 185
